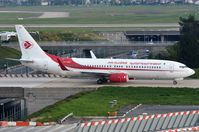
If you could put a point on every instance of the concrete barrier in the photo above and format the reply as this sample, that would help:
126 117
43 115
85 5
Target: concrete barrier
24 123
183 129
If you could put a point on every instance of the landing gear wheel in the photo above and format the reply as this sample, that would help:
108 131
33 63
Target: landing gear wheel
102 80
175 82
99 81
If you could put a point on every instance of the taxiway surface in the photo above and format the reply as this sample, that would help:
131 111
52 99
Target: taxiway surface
89 83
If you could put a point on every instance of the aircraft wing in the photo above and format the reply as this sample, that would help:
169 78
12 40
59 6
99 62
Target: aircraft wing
95 72
101 73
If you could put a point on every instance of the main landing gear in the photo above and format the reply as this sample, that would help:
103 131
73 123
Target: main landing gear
102 80
175 82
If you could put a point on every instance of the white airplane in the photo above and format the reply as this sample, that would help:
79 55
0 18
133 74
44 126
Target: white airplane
113 70
5 36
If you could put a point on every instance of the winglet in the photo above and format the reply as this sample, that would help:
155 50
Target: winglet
61 65
92 55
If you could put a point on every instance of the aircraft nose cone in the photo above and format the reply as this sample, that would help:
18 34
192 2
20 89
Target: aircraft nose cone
191 71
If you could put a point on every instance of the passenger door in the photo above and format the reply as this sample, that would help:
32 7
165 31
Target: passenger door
171 68
45 66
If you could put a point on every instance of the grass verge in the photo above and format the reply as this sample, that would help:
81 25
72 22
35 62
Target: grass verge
70 36
101 14
96 103
6 52
62 34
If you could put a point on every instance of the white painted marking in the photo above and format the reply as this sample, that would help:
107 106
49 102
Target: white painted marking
43 128
28 129
16 129
54 128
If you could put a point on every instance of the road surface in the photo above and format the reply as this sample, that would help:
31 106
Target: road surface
40 82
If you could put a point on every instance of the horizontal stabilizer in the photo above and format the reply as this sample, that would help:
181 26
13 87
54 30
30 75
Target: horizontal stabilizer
21 60
61 65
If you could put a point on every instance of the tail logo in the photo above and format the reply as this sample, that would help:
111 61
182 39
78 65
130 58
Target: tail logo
27 45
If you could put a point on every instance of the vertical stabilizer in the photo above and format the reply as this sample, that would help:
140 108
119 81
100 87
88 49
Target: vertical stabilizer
29 47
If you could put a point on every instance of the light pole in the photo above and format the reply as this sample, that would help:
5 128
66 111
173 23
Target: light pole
2 104
6 68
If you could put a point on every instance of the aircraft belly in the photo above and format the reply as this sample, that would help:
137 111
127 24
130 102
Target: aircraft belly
148 74
143 74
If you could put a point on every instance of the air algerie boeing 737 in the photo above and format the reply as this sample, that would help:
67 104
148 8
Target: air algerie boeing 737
112 70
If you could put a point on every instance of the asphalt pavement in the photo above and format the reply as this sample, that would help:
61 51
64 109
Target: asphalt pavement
40 82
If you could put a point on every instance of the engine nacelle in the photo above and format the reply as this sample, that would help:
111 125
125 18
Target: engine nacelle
119 77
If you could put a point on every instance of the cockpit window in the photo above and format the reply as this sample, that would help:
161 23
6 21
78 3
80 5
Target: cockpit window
182 66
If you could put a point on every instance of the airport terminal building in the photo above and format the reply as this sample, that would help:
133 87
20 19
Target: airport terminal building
150 36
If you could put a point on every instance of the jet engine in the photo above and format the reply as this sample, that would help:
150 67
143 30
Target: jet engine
119 77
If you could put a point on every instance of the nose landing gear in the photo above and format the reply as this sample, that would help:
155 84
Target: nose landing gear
175 82
102 80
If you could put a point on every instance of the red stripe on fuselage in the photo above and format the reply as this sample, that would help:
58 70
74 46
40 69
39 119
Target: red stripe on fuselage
69 62
53 57
58 60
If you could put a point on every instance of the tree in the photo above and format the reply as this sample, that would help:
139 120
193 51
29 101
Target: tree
188 46
187 49
173 52
34 2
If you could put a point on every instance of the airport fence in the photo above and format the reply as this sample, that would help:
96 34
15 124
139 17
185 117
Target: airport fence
31 76
156 122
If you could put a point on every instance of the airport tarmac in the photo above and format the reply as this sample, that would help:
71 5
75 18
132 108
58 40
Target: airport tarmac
157 109
41 82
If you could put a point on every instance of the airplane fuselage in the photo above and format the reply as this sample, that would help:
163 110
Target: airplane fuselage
134 68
